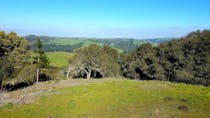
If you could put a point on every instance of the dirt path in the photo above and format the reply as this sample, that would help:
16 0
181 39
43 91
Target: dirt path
31 93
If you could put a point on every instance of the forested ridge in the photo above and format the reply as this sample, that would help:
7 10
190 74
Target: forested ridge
185 59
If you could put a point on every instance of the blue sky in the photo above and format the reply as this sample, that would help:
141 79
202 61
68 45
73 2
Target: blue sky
105 18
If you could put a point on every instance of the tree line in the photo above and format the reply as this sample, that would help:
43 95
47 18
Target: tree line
185 59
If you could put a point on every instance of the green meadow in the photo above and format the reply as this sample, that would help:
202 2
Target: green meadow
66 41
117 98
59 59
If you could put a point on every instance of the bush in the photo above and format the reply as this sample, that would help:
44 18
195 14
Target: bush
24 78
27 74
183 76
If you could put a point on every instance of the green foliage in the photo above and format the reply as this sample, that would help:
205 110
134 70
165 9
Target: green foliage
183 76
26 75
142 64
44 61
118 98
15 48
40 57
94 61
38 45
6 68
182 60
14 53
7 106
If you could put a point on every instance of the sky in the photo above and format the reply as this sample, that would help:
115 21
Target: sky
105 18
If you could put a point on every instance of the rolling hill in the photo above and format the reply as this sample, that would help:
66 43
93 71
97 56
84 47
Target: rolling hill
69 44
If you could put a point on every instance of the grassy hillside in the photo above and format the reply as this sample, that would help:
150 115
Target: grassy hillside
118 98
69 44
59 59
67 41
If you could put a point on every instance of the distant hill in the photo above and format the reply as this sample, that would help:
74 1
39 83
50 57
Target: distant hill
69 44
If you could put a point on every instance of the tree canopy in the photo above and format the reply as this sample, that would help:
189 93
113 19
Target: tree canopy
14 53
182 60
94 61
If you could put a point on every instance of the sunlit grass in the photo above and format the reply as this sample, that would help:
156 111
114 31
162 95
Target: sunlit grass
68 41
59 59
119 98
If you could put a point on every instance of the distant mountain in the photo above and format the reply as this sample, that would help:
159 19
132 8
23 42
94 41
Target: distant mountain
69 44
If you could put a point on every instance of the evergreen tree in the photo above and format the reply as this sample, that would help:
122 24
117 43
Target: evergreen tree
40 58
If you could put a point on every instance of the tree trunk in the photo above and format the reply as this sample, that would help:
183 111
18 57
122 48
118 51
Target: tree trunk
67 75
37 72
0 83
89 75
95 74
37 75
168 75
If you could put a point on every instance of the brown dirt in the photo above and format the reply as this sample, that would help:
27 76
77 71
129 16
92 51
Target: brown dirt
183 108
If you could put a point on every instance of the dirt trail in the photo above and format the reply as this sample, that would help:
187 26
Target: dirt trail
31 93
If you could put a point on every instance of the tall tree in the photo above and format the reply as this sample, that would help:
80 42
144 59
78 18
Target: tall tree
94 61
14 54
40 58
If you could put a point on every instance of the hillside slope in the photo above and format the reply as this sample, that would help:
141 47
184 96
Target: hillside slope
117 98
59 59
69 44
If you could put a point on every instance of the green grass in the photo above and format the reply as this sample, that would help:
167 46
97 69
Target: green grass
59 59
118 98
70 41
65 41
138 42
